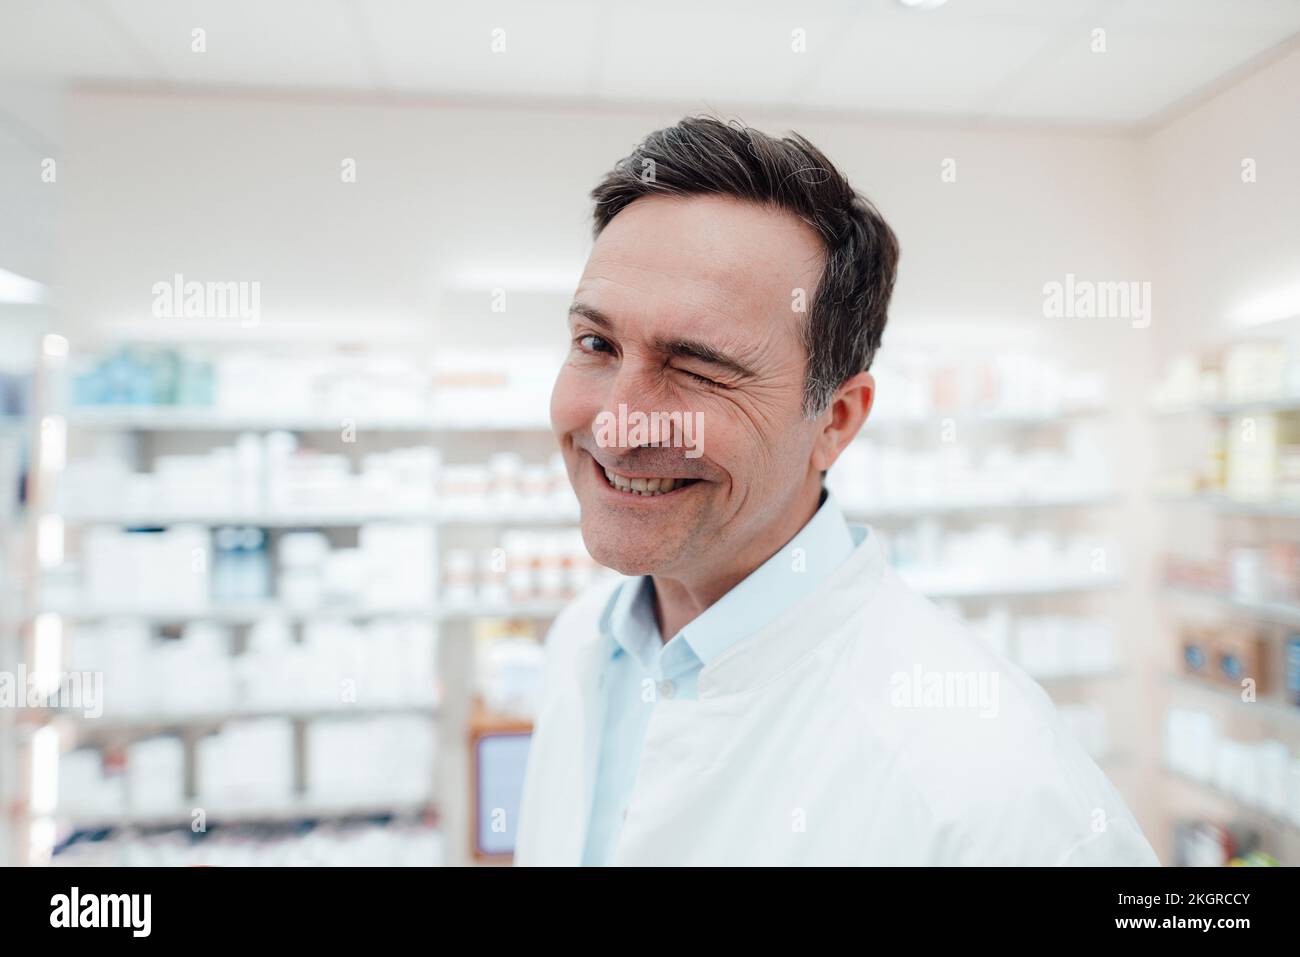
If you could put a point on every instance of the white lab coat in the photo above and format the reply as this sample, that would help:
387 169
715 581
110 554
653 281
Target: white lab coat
802 748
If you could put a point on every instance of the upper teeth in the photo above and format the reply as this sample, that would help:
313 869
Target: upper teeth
643 486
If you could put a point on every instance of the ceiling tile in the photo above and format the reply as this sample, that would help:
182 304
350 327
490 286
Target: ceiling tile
287 43
545 50
1139 74
62 39
726 51
926 64
1027 60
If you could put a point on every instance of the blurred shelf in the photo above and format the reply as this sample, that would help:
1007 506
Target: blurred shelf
958 507
161 721
164 419
295 811
1214 791
446 517
1017 588
1236 407
1100 674
310 336
541 609
248 613
1283 613
235 613
1036 418
187 419
1269 508
556 515
1268 708
559 515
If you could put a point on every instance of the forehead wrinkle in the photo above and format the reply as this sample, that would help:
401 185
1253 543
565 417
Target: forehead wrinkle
690 304
735 273
663 277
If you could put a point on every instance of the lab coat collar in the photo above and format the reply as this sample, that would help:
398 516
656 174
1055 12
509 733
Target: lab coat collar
783 640
773 649
794 571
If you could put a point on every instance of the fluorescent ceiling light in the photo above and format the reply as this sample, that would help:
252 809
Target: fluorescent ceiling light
557 280
922 4
19 289
1270 307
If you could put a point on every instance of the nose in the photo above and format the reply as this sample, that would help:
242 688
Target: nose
627 400
637 412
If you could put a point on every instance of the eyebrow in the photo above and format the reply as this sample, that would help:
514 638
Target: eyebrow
682 348
591 314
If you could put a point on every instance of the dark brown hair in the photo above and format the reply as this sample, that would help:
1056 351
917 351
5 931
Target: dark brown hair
704 155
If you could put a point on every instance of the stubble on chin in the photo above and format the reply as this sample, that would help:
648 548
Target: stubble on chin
642 550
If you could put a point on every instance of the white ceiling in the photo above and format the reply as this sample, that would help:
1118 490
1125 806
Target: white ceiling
1012 60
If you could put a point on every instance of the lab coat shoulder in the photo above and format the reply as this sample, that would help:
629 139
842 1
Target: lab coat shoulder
555 759
977 745
574 628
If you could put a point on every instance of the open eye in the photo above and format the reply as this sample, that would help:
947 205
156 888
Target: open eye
594 343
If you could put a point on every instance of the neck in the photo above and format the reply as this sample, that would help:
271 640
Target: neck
681 598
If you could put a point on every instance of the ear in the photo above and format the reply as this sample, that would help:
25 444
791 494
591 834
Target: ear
842 419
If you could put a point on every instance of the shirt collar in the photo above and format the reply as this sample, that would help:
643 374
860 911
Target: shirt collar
789 575
631 621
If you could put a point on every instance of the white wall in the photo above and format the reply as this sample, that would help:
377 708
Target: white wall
29 121
221 188
1220 244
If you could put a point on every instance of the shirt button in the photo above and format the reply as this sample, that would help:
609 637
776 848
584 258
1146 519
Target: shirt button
667 689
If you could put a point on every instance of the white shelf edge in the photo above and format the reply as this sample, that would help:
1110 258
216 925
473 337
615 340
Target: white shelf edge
459 518
1213 790
541 609
968 416
1268 709
1275 611
185 419
1230 407
445 518
163 418
153 720
1268 508
940 507
250 613
1013 589
90 821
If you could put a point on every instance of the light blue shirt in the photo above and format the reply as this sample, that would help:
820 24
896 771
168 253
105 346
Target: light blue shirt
642 668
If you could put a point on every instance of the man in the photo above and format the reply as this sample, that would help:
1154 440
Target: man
762 688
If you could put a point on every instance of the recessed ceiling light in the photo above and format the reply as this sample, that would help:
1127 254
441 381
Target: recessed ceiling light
922 4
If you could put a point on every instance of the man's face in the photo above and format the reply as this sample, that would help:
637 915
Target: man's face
688 307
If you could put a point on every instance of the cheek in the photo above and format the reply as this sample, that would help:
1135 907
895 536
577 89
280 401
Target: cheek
734 443
570 400
753 440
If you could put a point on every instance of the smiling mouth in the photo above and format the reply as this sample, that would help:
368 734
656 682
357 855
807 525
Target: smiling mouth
646 487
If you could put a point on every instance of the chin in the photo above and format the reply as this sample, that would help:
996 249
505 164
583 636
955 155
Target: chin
627 555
